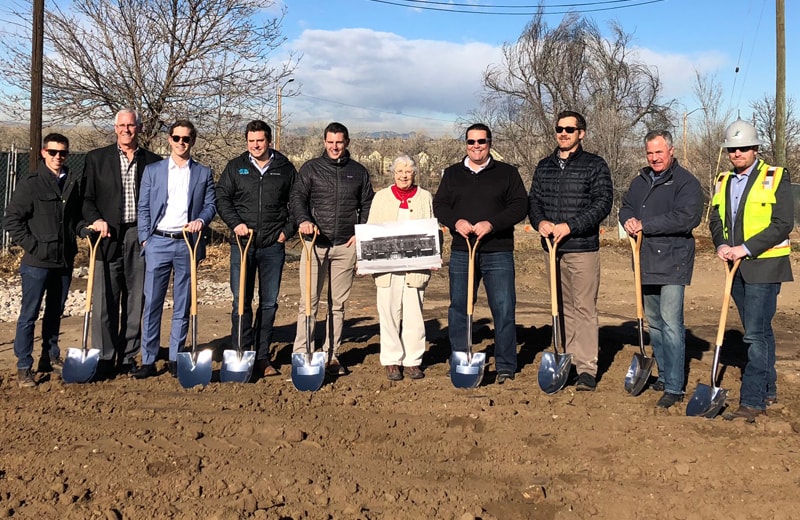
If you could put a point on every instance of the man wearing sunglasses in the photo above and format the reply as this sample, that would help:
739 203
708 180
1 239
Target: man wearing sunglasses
571 193
177 195
112 176
751 219
482 199
43 217
664 203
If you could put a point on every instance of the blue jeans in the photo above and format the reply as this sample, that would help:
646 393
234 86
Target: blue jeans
268 261
497 272
663 306
36 282
757 303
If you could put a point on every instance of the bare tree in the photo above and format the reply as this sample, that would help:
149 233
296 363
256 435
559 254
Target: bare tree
704 158
573 66
208 60
764 119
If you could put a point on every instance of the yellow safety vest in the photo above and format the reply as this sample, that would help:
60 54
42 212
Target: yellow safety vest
757 206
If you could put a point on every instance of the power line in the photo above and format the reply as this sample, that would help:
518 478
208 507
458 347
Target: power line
540 9
378 110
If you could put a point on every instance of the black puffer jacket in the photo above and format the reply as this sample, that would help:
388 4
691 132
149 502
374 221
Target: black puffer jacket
333 194
43 219
581 195
244 196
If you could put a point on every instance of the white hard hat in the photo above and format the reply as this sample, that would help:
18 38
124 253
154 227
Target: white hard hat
740 133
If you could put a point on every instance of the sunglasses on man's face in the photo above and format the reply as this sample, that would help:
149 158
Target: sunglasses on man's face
181 138
472 142
567 129
60 153
743 149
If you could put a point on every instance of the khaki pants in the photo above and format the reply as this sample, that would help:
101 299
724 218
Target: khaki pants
402 325
339 262
579 275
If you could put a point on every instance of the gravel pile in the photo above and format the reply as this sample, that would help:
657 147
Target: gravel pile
11 296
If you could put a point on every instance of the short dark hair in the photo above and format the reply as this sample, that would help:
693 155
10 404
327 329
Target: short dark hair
258 125
185 123
652 134
55 138
479 126
336 128
571 113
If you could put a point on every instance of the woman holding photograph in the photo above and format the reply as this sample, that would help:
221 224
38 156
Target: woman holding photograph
400 295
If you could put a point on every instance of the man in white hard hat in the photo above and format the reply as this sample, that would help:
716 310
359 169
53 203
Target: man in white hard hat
753 215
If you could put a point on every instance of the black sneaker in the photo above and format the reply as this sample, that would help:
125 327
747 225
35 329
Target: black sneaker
669 399
502 377
25 378
586 383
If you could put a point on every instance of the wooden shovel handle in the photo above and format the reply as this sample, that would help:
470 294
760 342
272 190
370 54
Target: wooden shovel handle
92 257
636 246
243 267
551 250
193 266
308 247
730 272
472 249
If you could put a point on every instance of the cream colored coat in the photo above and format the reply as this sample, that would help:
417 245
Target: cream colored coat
384 209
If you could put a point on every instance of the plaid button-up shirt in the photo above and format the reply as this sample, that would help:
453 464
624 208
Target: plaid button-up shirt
128 170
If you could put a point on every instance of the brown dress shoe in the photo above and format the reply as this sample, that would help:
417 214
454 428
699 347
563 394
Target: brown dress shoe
744 412
265 368
335 368
414 372
393 373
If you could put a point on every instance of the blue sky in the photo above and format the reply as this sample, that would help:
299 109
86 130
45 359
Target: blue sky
375 66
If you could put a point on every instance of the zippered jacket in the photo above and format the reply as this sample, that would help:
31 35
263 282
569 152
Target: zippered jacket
334 194
669 207
43 219
580 194
261 202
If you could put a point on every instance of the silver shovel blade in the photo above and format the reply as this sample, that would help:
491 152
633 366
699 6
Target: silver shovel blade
308 375
554 371
706 401
466 371
80 365
237 369
193 372
638 374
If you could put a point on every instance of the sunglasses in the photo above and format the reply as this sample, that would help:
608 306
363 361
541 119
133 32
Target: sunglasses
60 153
477 141
181 138
732 149
567 129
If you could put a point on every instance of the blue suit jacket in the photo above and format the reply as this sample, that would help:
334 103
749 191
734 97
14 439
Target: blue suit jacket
153 198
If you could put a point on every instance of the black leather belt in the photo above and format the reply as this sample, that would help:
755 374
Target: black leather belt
168 234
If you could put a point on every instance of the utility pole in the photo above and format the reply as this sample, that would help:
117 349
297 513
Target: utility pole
37 52
780 82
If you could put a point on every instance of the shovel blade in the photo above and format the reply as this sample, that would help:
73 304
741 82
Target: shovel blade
466 371
80 365
554 371
638 374
308 374
236 369
706 401
193 372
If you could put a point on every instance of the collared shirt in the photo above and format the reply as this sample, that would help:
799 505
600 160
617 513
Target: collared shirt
738 182
263 170
467 163
176 215
127 169
61 177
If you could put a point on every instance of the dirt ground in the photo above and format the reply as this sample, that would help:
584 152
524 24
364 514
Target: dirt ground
366 448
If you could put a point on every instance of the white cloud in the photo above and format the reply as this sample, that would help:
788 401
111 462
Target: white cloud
677 71
437 80
420 85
